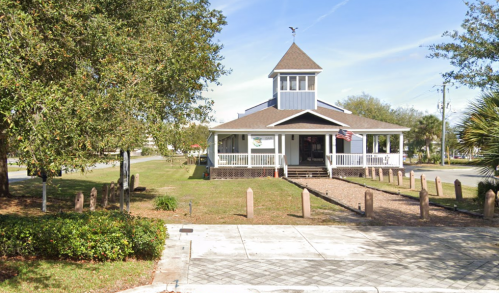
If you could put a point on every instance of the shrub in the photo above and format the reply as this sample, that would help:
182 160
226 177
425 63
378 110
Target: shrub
166 203
484 186
89 236
146 151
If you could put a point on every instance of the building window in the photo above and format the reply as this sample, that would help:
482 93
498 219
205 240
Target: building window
284 83
292 83
311 83
302 82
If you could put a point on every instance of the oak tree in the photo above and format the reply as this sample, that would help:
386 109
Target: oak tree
78 78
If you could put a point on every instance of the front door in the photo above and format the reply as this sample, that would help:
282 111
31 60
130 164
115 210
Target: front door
311 150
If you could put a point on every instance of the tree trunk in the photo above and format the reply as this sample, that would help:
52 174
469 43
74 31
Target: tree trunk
4 172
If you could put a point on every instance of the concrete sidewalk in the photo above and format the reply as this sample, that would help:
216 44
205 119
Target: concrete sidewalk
248 258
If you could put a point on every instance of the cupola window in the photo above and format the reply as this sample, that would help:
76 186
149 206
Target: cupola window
297 83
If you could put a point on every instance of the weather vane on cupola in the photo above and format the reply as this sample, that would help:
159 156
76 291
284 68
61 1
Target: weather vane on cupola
293 32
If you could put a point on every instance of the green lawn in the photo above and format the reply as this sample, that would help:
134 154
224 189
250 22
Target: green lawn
448 199
64 276
213 201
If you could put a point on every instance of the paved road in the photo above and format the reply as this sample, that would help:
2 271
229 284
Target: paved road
249 258
469 176
22 175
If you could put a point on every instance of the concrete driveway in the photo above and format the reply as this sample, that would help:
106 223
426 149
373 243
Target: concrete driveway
468 176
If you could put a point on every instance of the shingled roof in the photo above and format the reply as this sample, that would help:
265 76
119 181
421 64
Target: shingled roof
320 119
295 58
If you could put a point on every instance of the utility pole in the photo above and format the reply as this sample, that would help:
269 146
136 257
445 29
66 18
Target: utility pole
442 150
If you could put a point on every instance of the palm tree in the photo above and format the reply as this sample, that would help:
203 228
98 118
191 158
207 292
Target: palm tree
429 129
479 129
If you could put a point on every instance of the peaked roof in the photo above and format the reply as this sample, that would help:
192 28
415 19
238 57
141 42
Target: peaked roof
264 119
295 58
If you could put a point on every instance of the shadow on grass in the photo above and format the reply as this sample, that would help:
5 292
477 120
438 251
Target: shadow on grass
240 215
198 172
295 216
61 195
37 275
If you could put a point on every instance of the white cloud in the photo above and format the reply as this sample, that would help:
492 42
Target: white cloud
346 90
353 57
335 7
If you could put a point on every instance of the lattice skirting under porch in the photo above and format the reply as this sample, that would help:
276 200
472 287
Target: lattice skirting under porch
360 172
235 173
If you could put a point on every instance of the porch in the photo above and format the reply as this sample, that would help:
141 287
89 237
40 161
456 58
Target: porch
280 151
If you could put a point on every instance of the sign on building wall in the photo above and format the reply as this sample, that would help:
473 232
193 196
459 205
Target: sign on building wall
262 142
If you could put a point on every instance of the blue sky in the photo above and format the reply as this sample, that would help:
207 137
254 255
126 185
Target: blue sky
376 47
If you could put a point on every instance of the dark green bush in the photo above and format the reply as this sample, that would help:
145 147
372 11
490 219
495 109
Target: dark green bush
484 186
89 236
167 203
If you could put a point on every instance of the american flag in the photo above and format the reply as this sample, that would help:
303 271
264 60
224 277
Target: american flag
345 134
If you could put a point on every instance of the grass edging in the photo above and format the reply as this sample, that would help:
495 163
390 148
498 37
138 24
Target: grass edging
466 212
324 197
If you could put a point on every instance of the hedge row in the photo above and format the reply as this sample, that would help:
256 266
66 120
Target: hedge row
88 236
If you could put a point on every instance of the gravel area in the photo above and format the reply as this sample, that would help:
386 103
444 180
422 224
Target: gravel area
390 209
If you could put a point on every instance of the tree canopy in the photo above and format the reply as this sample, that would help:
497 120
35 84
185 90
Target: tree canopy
80 77
366 105
479 129
475 50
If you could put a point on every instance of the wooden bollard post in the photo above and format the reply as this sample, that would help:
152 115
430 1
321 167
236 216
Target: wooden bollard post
373 173
79 202
412 182
438 186
368 202
305 201
93 199
136 183
249 203
458 189
390 176
105 191
424 205
380 171
400 178
423 183
488 208
132 183
367 172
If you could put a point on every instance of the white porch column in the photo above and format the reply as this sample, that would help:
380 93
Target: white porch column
375 144
334 151
276 151
215 146
388 145
249 150
283 144
401 150
364 147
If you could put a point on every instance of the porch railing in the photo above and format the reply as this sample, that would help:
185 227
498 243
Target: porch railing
372 160
342 160
241 160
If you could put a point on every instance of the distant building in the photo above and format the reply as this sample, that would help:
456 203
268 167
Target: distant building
295 133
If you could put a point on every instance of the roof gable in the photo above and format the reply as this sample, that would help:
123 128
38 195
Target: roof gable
310 117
